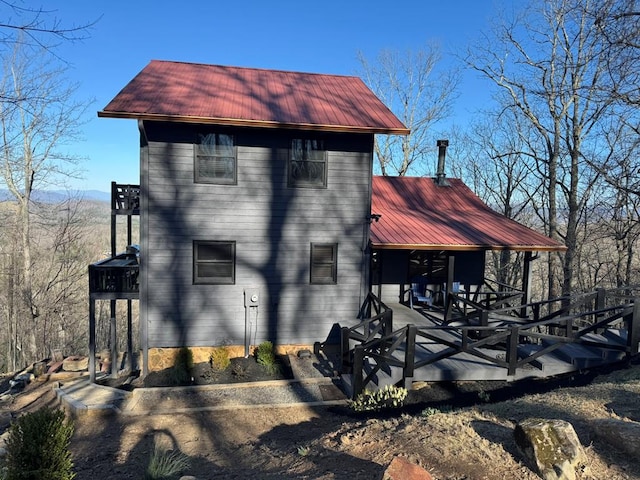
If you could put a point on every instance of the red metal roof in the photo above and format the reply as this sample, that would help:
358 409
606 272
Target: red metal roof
190 92
417 213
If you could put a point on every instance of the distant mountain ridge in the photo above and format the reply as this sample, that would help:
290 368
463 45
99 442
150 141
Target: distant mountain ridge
56 196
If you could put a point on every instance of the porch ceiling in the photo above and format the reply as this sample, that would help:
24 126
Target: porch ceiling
416 213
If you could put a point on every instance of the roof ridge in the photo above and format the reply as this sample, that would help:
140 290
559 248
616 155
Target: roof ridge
259 69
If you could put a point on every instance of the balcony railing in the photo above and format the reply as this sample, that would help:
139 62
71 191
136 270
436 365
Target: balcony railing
116 275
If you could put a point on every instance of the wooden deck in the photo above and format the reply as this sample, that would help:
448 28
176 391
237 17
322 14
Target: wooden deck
446 352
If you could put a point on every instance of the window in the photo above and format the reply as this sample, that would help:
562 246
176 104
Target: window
214 262
307 163
215 159
324 263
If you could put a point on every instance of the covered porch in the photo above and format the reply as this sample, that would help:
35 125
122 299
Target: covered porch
430 244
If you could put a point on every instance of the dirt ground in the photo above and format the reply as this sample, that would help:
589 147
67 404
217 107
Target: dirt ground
464 442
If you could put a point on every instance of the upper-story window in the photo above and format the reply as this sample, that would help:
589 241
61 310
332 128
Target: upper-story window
307 163
215 159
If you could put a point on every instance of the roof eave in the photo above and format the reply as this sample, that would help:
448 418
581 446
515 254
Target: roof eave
513 248
253 123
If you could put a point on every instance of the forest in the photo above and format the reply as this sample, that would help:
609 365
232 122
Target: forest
555 149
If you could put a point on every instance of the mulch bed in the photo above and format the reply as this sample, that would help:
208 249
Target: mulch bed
240 370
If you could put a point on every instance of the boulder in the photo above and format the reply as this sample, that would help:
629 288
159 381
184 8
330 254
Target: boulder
551 447
623 436
401 469
75 364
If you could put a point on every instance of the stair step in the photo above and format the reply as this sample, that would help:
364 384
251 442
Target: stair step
550 364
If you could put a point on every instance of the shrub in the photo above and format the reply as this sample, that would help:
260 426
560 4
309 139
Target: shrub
183 366
387 397
166 464
265 356
37 447
219 359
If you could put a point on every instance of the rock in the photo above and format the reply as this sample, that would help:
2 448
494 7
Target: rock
25 377
401 469
75 364
55 366
623 436
551 447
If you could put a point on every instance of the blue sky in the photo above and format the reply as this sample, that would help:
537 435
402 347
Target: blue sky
321 37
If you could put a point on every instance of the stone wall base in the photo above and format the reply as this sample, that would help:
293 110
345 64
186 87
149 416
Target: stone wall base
164 357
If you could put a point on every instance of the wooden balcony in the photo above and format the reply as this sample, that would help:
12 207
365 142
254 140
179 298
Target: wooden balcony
115 277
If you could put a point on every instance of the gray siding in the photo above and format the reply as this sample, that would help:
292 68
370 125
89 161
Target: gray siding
273 226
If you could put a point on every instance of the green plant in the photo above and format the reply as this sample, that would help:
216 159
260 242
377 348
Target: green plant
166 464
484 396
265 356
219 359
427 412
387 397
303 450
239 370
38 447
183 366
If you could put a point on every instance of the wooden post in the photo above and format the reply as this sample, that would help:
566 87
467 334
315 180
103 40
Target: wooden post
633 326
344 350
410 353
356 375
451 260
130 335
92 339
600 302
512 350
113 340
526 284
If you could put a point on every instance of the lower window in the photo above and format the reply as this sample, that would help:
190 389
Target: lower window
324 263
214 262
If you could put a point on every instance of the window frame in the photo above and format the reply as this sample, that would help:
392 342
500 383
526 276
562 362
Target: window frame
299 183
202 280
197 178
315 263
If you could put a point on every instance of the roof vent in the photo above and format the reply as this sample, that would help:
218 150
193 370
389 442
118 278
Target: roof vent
442 153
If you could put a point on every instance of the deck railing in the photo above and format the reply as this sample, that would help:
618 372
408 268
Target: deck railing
381 349
116 275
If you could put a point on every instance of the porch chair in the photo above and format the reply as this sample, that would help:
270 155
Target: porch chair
419 294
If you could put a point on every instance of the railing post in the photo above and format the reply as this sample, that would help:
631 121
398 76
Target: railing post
388 322
633 326
536 312
358 364
344 350
600 302
410 352
512 349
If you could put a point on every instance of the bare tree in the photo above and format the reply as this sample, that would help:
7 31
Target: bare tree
36 26
548 65
420 96
39 117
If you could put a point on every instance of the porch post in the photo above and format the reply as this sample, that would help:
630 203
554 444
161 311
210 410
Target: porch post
526 283
92 339
113 340
451 263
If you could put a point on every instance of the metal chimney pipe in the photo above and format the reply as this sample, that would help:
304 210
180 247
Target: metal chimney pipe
442 152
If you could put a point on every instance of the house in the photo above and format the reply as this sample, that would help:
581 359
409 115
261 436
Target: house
255 202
